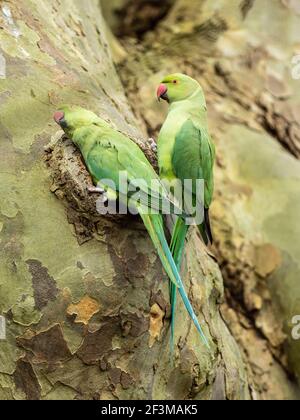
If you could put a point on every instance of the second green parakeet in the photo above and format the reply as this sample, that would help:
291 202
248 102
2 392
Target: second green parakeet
186 152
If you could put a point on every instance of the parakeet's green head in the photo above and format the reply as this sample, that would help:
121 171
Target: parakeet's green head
70 118
177 87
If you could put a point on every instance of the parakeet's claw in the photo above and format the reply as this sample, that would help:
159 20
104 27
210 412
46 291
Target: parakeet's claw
103 199
103 204
152 144
96 190
107 201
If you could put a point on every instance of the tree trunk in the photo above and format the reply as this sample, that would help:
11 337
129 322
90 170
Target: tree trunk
241 52
84 298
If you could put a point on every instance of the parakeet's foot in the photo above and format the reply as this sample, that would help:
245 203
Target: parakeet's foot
106 202
102 201
96 190
152 143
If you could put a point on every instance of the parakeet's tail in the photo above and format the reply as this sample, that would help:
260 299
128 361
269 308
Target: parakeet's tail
205 229
177 246
178 239
154 225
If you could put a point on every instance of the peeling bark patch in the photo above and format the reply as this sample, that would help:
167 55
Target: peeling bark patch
277 86
47 346
80 265
178 384
26 380
115 375
268 259
158 298
118 376
293 5
43 284
96 344
219 388
136 18
134 325
84 310
8 19
188 359
126 380
138 266
281 120
37 149
246 6
120 277
156 323
2 67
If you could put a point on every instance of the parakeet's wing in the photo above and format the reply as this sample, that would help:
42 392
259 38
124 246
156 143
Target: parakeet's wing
112 154
193 157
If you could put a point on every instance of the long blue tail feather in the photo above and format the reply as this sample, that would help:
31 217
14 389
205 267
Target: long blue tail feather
177 246
154 225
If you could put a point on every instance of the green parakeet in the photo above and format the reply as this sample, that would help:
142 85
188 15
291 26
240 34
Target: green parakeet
108 152
186 152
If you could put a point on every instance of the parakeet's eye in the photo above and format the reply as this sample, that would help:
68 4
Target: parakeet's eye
175 82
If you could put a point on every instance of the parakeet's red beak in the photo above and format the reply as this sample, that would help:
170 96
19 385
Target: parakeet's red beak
162 92
58 116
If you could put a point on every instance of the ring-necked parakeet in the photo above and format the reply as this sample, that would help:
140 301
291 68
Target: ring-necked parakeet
185 151
108 152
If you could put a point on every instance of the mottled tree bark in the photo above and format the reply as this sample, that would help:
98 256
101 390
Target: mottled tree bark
241 52
84 298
